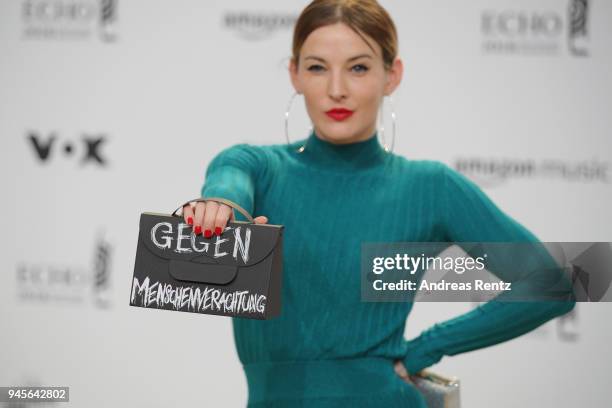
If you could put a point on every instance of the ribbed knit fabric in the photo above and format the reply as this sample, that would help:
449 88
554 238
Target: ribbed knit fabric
329 349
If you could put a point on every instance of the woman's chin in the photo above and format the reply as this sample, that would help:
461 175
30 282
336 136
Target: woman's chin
338 133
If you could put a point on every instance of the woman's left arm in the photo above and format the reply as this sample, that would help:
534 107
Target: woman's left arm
469 215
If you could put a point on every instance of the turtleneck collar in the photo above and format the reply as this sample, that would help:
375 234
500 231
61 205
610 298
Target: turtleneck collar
350 156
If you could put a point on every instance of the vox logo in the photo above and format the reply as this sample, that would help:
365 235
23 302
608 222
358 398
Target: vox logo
86 149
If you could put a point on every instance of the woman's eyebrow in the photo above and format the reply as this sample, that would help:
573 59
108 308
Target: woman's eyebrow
350 59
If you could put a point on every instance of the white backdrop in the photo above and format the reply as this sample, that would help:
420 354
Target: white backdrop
109 109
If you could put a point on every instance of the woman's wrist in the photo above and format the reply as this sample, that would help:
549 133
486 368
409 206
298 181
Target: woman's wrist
420 355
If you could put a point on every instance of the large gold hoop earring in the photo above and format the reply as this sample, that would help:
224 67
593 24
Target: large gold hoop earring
287 112
381 125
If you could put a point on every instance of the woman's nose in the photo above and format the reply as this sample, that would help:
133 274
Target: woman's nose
336 88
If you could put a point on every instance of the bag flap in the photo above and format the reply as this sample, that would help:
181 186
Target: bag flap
198 273
241 244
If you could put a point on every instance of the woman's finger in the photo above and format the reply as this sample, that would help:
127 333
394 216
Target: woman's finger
188 214
223 215
262 219
198 219
400 369
210 214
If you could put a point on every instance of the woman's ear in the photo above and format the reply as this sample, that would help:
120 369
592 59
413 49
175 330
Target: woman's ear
293 73
394 76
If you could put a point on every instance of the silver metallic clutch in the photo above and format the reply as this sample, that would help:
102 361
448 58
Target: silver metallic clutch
439 391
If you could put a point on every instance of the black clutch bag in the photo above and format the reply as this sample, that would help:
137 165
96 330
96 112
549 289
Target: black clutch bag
238 273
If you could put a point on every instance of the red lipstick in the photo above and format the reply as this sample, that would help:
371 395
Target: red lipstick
339 113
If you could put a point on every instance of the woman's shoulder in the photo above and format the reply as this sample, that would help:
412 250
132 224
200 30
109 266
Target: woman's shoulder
254 148
254 156
425 167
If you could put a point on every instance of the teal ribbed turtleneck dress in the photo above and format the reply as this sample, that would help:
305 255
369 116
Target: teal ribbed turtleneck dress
329 349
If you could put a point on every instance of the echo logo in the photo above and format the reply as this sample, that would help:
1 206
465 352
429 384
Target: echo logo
536 31
56 283
578 28
70 19
53 11
517 23
88 147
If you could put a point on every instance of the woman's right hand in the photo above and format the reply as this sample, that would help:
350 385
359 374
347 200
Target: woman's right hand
400 370
210 217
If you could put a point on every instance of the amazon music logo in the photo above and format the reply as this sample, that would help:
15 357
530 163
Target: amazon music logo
492 172
86 149
254 26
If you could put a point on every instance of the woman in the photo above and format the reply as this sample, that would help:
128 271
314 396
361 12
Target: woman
332 191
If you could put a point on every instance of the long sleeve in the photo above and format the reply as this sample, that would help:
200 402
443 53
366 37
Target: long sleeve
470 216
233 174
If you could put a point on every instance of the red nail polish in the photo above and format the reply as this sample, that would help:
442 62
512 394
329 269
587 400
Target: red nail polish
218 231
197 230
190 220
208 233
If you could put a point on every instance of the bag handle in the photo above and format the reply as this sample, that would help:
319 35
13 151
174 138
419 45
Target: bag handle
222 201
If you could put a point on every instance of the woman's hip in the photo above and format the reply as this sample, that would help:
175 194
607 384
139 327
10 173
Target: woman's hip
340 380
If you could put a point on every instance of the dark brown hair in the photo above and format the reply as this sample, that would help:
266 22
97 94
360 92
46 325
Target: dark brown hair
362 16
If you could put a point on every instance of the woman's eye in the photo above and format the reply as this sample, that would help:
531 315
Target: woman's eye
362 68
315 68
356 68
